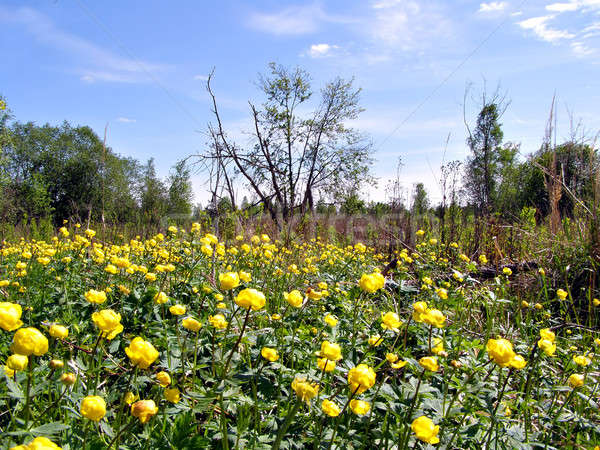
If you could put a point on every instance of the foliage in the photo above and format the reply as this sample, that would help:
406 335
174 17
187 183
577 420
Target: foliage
413 362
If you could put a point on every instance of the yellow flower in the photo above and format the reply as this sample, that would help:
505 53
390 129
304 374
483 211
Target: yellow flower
330 320
221 305
561 294
326 364
501 351
330 408
109 322
330 351
420 233
8 371
581 360
313 295
483 259
29 341
17 362
390 321
10 316
250 298
371 282
576 380
141 353
442 293
161 298
435 318
360 247
438 346
124 289
189 323
245 276
518 362
429 363
361 378
276 316
547 346
94 296
163 378
391 357
294 298
218 321
173 395
360 407
130 397
58 331
399 364
144 410
68 379
596 302
425 430
229 280
303 389
150 276
546 333
56 364
39 443
419 311
93 407
270 354
111 269
177 310
506 271
524 304
375 340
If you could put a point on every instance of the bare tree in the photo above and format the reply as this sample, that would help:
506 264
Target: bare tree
291 157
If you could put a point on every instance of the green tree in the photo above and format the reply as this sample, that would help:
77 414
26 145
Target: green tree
293 156
181 194
482 169
153 195
420 201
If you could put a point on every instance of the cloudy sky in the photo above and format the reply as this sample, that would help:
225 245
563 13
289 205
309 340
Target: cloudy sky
141 66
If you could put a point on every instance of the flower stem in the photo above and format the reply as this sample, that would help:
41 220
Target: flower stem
288 420
235 346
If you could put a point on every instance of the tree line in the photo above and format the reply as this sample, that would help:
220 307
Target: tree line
67 171
300 156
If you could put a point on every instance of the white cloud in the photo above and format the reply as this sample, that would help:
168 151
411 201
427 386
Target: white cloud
562 7
408 25
125 120
321 50
201 77
581 50
539 26
574 5
294 20
93 63
591 31
492 7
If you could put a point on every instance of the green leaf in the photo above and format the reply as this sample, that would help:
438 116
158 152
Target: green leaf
49 429
14 390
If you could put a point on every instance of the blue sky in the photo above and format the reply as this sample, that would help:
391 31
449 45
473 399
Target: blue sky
141 66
